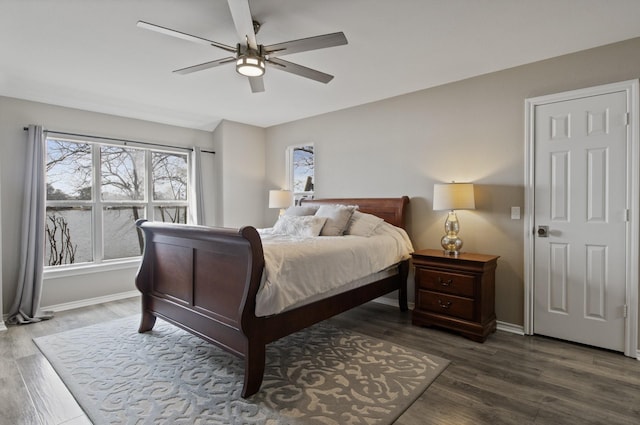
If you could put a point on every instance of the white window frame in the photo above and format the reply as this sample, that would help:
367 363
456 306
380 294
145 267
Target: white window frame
289 171
98 204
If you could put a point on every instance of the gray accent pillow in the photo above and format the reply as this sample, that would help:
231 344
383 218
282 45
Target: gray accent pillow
362 224
337 218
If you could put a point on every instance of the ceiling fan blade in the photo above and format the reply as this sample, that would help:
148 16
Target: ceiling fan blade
305 44
300 70
184 36
241 15
202 66
257 84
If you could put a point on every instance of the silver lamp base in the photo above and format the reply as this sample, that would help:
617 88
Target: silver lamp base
450 242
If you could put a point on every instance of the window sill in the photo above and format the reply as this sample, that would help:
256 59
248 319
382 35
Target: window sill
83 269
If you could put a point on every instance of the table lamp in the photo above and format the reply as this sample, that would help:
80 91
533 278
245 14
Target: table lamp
280 199
452 196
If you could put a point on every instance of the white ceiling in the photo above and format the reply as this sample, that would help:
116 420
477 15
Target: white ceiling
89 54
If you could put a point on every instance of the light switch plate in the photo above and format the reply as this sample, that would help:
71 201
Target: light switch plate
515 213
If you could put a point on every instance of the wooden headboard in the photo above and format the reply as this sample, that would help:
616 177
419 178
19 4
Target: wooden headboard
391 210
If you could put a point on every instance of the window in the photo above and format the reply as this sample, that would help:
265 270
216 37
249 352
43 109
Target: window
300 170
96 192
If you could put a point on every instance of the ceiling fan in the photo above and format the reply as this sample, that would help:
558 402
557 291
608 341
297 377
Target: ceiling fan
250 57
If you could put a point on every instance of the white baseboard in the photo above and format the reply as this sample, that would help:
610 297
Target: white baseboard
2 326
502 326
90 301
510 327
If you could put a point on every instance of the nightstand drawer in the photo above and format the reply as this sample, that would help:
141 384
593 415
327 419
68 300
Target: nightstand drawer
446 304
451 283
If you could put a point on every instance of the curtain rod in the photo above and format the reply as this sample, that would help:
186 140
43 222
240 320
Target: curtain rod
120 140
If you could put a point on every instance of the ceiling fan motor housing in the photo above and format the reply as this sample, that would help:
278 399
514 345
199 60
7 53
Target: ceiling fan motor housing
250 63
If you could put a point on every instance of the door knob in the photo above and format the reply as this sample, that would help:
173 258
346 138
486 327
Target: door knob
543 231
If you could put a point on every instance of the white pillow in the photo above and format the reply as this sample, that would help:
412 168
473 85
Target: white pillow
362 224
305 226
337 218
300 210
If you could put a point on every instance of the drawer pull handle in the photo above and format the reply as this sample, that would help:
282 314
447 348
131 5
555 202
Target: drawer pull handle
444 305
447 282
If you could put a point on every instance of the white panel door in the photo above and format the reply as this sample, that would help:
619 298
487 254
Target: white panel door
580 220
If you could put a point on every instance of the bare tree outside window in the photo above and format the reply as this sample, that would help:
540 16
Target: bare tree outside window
69 170
169 185
169 176
122 173
61 249
301 164
69 185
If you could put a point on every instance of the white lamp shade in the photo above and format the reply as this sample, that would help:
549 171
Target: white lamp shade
453 196
280 198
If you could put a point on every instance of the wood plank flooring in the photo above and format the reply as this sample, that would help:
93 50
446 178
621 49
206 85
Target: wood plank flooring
509 379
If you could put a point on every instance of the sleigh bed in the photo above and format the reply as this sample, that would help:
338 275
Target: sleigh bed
205 280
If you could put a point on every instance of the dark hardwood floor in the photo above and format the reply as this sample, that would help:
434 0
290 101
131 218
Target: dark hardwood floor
510 379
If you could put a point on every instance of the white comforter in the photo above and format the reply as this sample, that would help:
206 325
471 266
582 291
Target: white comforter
299 268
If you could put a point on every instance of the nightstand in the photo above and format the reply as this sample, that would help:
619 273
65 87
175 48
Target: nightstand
456 293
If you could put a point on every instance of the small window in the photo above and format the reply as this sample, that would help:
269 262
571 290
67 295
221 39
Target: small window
300 170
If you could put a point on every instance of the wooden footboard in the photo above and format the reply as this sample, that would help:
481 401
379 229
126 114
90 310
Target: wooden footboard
205 280
201 279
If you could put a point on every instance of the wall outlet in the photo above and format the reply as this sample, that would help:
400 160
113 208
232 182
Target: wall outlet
515 213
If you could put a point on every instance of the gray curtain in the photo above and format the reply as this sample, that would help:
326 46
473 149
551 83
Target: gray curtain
26 306
196 204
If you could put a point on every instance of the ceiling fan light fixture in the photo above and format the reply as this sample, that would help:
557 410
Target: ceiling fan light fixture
250 66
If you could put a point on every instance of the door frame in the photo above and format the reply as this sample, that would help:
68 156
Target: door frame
632 273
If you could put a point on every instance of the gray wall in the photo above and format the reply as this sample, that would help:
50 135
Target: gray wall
468 131
240 177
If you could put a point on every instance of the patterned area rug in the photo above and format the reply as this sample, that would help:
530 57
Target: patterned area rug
321 375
